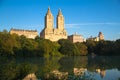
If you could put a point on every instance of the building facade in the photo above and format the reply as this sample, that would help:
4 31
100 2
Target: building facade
27 33
76 38
51 33
98 38
101 36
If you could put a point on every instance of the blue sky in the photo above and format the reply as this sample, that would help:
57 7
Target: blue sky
86 17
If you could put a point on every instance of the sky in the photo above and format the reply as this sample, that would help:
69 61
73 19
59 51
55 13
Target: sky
86 17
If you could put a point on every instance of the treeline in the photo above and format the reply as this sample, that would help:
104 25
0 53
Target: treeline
14 45
104 47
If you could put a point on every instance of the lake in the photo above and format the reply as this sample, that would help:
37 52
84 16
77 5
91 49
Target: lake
62 68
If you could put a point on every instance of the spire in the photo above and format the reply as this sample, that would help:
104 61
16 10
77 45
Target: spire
60 20
59 12
49 12
49 19
101 36
100 33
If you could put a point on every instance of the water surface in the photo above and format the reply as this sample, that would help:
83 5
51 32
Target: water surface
67 68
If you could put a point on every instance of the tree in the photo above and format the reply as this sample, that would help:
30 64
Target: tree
28 46
82 48
104 48
47 48
116 46
91 46
7 43
68 48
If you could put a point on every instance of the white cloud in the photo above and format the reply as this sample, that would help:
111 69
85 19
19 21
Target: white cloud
90 24
72 25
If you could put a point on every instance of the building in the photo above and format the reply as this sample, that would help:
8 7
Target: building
93 38
27 33
101 36
51 33
76 38
96 38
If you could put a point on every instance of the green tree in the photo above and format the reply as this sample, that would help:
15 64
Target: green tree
68 48
7 43
82 48
91 46
104 48
116 48
28 46
47 48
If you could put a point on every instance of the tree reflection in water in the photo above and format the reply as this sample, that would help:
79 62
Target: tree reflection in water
56 68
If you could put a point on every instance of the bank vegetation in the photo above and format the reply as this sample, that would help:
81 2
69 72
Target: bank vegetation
20 46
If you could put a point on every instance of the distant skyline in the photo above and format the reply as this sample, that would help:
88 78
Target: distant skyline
86 17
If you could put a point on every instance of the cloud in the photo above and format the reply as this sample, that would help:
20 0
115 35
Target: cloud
36 26
90 24
72 25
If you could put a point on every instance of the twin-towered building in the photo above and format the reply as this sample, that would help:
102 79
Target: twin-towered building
51 33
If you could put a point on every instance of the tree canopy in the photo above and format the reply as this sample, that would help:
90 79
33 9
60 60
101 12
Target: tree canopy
14 45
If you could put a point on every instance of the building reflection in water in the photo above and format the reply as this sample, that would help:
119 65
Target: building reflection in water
57 74
63 75
79 71
30 76
101 72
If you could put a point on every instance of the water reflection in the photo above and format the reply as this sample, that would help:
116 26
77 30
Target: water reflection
56 68
30 76
56 74
79 71
101 72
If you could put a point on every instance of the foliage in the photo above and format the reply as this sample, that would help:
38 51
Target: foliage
116 47
91 46
11 70
47 48
68 48
104 47
14 45
7 44
82 48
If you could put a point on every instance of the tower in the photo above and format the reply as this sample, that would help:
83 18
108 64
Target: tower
101 36
51 33
60 20
49 20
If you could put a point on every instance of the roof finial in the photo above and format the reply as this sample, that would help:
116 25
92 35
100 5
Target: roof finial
59 12
48 7
48 12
